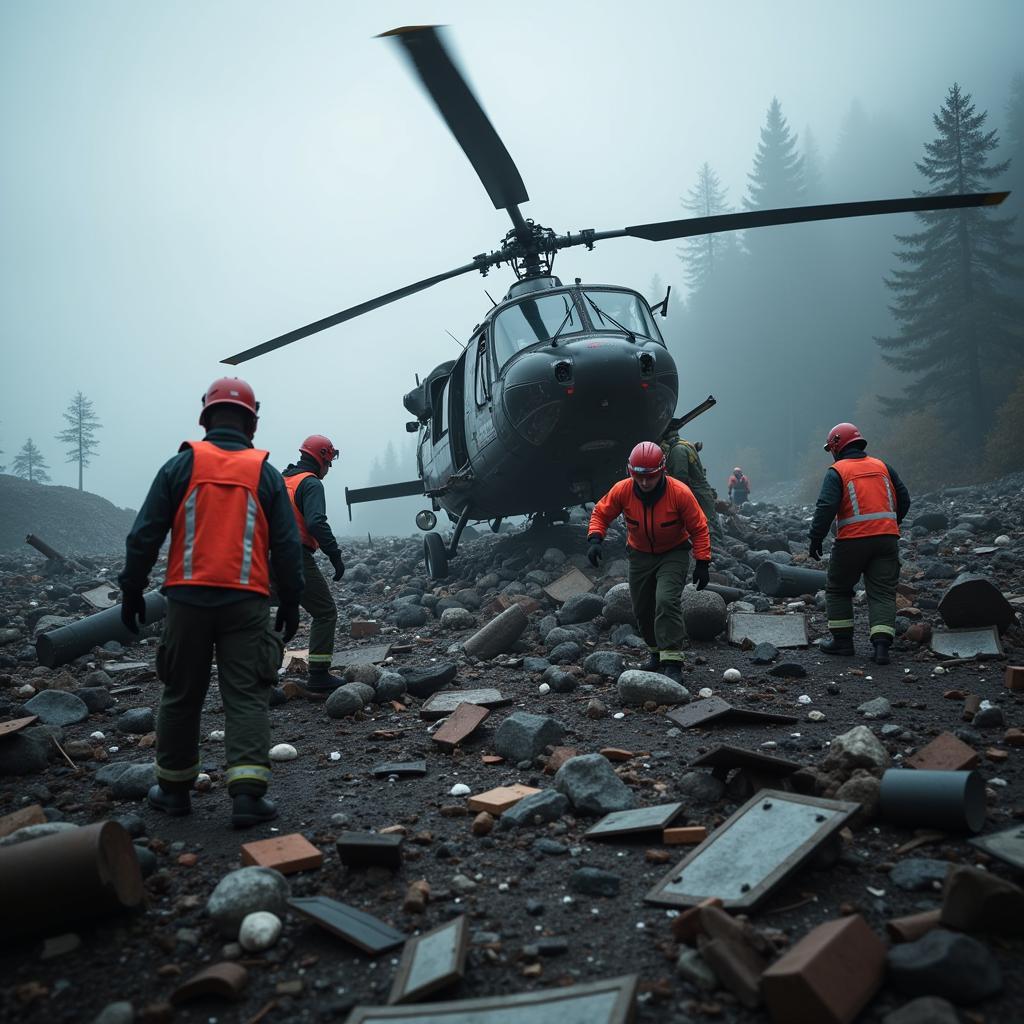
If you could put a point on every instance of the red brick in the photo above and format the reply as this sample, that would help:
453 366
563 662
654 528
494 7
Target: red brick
1014 737
997 755
972 704
286 854
685 836
616 754
361 628
687 926
945 753
31 815
1014 677
559 755
737 966
828 977
913 926
461 723
496 801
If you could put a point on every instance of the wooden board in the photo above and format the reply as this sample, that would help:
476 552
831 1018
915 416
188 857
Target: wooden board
365 931
463 722
431 961
16 725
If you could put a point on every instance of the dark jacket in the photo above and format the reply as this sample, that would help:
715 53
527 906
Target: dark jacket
312 503
156 517
831 496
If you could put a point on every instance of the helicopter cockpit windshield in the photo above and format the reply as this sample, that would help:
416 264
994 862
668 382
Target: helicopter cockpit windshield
613 310
534 320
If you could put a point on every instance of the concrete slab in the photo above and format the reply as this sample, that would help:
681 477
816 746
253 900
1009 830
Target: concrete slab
715 710
1007 845
642 819
572 583
372 655
757 627
967 644
443 703
431 962
99 597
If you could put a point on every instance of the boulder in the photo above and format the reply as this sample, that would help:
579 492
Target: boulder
523 736
604 663
580 608
535 809
703 614
858 748
636 686
423 681
945 964
590 783
245 892
55 707
618 605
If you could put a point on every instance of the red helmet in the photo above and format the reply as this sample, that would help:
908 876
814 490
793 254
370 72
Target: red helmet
229 391
646 458
737 471
841 435
320 448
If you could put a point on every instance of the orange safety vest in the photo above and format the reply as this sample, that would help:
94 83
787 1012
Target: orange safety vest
868 508
220 537
292 483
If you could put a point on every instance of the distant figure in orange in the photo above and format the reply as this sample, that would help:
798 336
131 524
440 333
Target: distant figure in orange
739 487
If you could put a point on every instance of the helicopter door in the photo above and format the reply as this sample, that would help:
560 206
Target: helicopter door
456 414
478 395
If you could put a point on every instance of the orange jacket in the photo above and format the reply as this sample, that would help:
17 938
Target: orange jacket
868 508
292 484
670 522
219 537
742 482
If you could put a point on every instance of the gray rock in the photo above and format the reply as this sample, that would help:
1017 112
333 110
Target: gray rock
425 680
364 673
550 847
945 964
499 635
96 698
409 616
858 748
390 686
559 680
23 755
147 860
637 687
48 622
564 654
989 718
553 557
344 701
30 832
618 605
358 573
878 707
136 721
244 892
592 786
703 613
580 608
535 809
56 707
594 882
457 618
604 663
932 521
764 654
788 670
925 1010
522 736
700 788
939 571
363 691
98 678
864 790
919 874
561 635
974 600
134 782
532 664
121 1012
693 967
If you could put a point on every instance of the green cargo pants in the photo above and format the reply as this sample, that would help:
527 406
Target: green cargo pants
877 559
248 657
656 586
317 600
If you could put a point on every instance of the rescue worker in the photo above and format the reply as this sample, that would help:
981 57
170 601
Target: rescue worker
868 501
739 487
682 461
230 522
303 480
663 521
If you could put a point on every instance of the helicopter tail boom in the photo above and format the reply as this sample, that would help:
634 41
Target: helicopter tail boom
405 489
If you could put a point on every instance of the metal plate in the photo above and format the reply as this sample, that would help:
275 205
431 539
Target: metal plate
361 656
643 819
967 643
99 597
572 583
431 961
1007 845
402 768
726 756
759 846
369 933
759 628
444 702
716 710
601 1002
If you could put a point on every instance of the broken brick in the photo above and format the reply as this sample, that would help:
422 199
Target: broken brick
31 815
1014 737
972 704
687 926
463 721
558 757
997 755
913 926
616 754
1014 678
688 835
361 628
286 854
737 966
945 753
224 979
498 800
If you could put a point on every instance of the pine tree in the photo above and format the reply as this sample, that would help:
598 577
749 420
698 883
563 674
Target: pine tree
30 465
814 175
777 179
958 329
701 254
80 433
1014 180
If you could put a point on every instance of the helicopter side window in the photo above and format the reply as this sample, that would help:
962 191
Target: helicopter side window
482 373
440 406
534 320
614 310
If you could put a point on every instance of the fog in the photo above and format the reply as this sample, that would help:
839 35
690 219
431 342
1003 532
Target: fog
182 181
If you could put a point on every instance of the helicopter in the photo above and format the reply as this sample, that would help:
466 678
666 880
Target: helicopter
557 382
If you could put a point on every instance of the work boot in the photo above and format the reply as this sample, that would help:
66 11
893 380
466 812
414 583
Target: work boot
841 643
652 662
320 681
672 670
247 809
881 652
175 802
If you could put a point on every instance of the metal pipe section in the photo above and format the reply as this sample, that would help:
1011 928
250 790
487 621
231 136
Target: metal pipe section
728 594
66 643
50 884
777 580
951 801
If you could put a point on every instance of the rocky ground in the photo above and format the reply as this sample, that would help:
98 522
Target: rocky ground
547 906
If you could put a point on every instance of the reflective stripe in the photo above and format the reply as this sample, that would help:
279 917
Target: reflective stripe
316 659
250 530
864 518
840 623
257 772
887 630
853 501
179 774
190 533
888 492
671 655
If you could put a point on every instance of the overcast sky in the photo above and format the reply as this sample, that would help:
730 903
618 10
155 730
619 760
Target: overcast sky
182 180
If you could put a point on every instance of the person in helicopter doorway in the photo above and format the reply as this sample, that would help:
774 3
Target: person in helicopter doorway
303 479
739 487
663 521
682 461
868 501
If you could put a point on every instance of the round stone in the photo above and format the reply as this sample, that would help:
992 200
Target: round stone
283 752
259 931
732 675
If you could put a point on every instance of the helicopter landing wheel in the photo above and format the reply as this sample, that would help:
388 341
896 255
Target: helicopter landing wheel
435 555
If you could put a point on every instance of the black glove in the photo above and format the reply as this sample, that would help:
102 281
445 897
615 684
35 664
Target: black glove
594 553
701 574
339 567
133 606
814 550
287 621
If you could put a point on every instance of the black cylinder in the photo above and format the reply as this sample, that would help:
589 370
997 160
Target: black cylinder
953 801
66 643
777 580
727 594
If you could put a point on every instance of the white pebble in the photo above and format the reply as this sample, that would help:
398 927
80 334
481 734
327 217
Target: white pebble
803 699
732 675
1002 541
113 750
259 931
217 735
26 691
459 789
938 671
335 755
543 688
283 752
816 716
97 735
705 691
997 782
619 714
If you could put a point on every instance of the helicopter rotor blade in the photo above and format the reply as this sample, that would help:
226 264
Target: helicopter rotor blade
352 311
664 230
465 117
